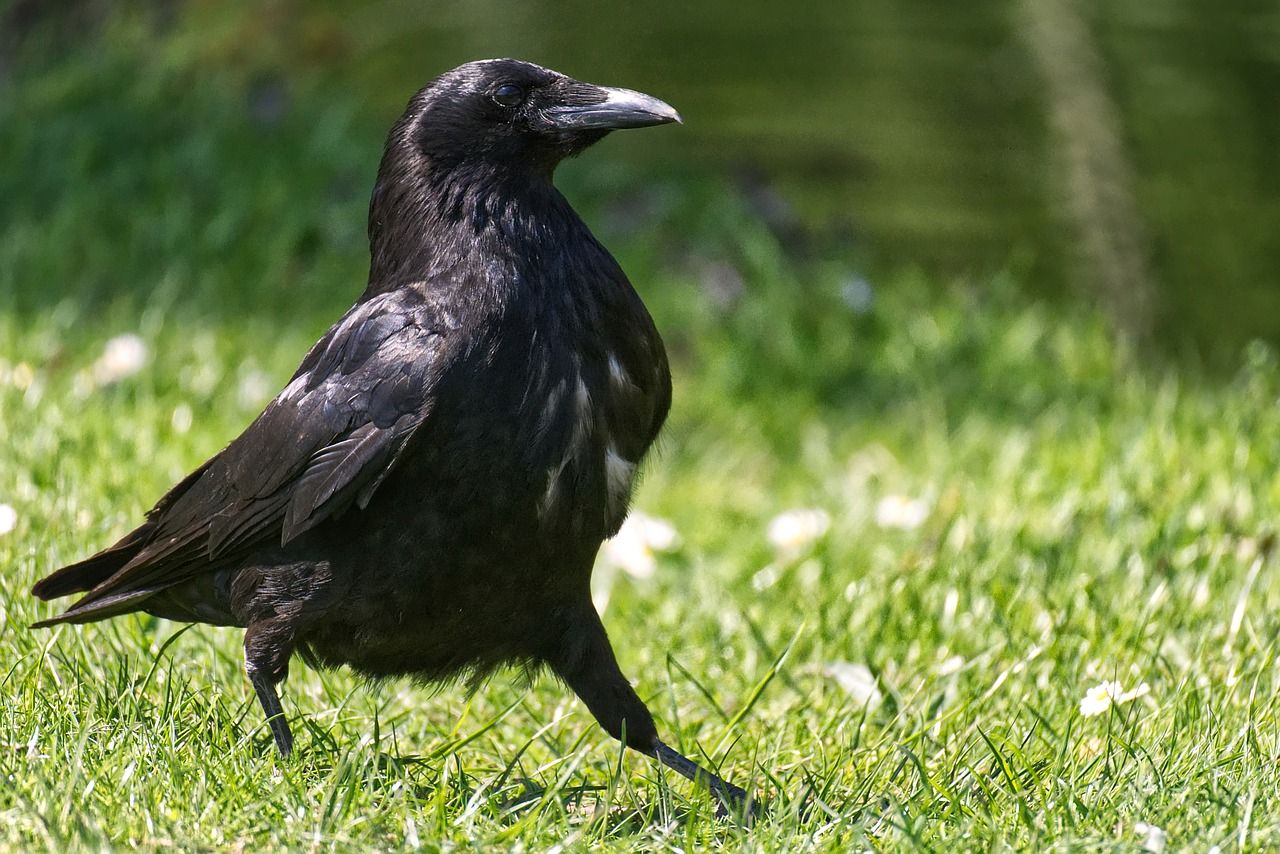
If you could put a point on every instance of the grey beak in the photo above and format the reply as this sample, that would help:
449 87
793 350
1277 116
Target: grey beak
621 108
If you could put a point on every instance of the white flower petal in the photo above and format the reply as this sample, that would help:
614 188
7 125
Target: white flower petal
1154 839
659 534
1141 691
1104 695
8 519
792 532
899 511
20 377
766 577
1096 700
635 547
122 356
858 682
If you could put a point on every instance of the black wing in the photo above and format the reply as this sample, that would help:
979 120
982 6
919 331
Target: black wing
324 444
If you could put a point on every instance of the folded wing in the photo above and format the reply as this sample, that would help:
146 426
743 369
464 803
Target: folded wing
323 445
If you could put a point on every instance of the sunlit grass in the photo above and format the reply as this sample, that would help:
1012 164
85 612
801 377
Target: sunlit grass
1083 525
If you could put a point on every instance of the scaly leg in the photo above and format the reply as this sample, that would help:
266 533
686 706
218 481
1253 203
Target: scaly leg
275 712
732 799
587 663
267 647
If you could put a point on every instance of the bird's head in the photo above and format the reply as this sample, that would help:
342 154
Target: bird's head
475 147
513 115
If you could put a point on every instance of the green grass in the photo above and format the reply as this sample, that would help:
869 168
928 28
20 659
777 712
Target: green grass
1090 518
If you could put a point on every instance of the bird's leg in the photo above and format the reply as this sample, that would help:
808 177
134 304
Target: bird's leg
587 664
731 798
270 701
267 647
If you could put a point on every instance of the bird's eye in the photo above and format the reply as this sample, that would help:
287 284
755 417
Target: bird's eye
508 95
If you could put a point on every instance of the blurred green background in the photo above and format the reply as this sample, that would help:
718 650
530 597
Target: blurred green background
1125 153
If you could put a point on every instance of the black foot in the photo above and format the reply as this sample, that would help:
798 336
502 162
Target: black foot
275 712
733 801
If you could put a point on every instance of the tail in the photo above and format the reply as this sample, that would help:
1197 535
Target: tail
92 571
88 574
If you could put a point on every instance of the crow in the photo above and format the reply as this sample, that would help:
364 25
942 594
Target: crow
426 496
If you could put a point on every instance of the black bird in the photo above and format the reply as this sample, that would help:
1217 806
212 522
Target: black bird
427 494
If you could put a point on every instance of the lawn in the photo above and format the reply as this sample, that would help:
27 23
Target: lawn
1033 602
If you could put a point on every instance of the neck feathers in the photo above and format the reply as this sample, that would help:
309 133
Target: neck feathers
426 212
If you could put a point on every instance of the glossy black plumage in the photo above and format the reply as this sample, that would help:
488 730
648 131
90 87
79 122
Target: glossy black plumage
427 495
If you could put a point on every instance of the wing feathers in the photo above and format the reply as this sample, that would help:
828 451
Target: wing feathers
331 472
229 531
330 438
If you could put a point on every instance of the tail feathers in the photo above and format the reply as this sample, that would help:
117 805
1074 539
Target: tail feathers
101 609
92 571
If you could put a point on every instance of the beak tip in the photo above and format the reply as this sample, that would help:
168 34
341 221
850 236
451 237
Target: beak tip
663 113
